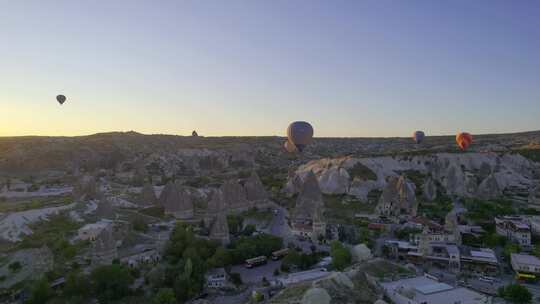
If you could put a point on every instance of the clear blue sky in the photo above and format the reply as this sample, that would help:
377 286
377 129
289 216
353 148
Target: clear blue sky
352 68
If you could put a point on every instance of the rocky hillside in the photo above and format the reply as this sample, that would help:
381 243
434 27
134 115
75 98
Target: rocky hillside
356 286
173 154
485 175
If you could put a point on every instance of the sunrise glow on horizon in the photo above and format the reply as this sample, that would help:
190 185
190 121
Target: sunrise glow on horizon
249 68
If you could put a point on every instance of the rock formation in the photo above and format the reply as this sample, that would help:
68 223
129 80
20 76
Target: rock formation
176 200
86 189
219 230
361 253
105 210
104 248
254 188
398 198
460 174
310 199
335 181
147 196
489 188
429 190
234 196
316 296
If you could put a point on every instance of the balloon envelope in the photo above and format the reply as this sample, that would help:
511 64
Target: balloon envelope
61 99
289 147
464 140
419 136
300 133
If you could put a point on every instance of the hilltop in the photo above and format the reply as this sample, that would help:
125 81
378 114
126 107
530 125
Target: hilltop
107 150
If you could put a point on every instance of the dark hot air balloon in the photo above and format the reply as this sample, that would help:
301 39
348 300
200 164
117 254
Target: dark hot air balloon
61 99
418 137
300 133
464 140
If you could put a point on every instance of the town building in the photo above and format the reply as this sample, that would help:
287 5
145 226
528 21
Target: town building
217 278
140 255
424 290
525 266
89 232
446 256
481 261
515 229
534 223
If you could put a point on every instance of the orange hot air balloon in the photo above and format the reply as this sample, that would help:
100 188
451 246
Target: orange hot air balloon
464 140
290 147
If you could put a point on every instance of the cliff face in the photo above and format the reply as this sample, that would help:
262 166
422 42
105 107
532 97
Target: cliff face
310 200
176 200
398 197
463 174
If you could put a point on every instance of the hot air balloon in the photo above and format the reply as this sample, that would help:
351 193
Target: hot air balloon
300 133
61 99
418 137
289 147
464 140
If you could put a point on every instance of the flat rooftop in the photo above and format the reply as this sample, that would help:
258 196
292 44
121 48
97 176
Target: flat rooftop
426 290
525 259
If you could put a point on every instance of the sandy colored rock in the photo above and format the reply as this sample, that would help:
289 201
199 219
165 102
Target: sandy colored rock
316 296
147 196
361 253
254 188
398 197
429 190
176 200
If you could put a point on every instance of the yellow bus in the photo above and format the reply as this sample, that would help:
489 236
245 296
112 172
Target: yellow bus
260 260
276 255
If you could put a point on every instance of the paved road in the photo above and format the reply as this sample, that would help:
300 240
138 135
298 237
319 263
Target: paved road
255 275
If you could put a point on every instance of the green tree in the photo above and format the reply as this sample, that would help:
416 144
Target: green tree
536 250
511 248
235 223
236 278
164 296
40 292
111 282
139 224
190 282
341 256
515 293
15 266
221 258
77 286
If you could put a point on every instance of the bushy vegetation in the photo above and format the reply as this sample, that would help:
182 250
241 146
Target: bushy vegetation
139 224
248 247
341 256
341 209
154 211
515 293
532 154
362 172
272 177
54 234
484 211
436 210
111 282
404 234
300 260
187 257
